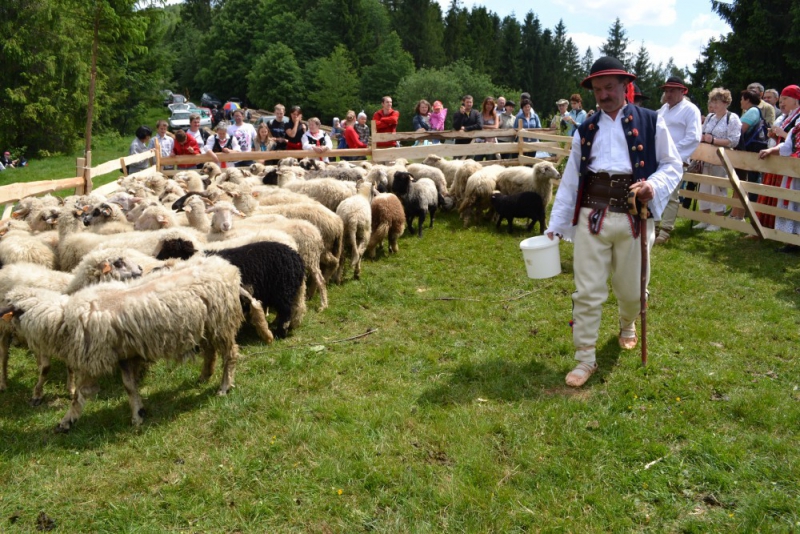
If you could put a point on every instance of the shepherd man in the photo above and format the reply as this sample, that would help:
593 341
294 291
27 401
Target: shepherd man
622 148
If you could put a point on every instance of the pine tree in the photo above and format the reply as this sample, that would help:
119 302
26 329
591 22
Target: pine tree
617 44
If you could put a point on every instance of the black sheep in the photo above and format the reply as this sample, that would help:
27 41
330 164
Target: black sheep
527 205
272 272
419 197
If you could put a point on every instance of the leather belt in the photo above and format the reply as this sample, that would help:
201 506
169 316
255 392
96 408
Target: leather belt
602 189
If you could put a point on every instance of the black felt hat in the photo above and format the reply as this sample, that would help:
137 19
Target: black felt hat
606 66
637 93
674 82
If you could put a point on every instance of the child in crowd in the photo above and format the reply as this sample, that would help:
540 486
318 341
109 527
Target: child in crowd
185 145
141 143
437 116
317 140
362 128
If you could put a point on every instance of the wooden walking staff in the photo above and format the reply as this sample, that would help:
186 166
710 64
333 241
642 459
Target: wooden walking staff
641 210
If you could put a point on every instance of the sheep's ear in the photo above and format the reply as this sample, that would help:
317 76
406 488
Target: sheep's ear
106 211
8 313
86 209
105 267
16 214
239 213
162 220
255 194
208 201
210 209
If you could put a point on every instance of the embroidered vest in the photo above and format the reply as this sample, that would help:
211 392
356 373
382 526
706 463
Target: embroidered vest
639 125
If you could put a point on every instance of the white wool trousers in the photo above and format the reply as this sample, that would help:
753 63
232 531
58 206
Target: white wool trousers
612 253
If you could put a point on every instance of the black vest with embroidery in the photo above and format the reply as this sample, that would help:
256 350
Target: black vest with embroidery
639 125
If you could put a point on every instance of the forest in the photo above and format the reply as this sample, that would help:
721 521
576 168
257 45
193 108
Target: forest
329 56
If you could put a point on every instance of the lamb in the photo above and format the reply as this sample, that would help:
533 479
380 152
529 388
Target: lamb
241 194
212 170
478 193
328 191
18 246
273 274
356 214
156 218
347 174
468 168
539 179
160 316
270 195
379 176
192 180
281 176
419 198
388 220
449 168
526 205
329 224
419 170
107 218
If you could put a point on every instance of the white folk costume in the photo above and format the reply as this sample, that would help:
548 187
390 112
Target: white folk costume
608 156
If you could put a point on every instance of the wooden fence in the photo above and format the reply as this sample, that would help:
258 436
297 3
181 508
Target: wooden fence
527 141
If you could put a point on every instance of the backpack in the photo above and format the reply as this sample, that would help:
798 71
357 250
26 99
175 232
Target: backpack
755 138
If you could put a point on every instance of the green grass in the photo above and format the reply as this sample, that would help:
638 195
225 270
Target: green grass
105 147
453 415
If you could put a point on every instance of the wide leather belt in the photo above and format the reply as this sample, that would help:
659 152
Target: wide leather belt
602 189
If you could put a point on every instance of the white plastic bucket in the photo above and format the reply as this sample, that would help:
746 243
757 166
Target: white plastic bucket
541 256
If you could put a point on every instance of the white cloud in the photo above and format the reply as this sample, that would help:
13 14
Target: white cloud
630 13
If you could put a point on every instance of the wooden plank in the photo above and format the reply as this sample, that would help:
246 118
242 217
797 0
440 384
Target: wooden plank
783 166
741 195
783 237
136 158
123 167
711 218
7 209
706 179
792 195
16 191
107 167
778 212
697 195
86 187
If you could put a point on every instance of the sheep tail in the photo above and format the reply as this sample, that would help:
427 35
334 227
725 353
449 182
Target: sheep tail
257 317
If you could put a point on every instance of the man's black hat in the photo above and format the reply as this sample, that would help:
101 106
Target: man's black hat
637 93
674 82
606 66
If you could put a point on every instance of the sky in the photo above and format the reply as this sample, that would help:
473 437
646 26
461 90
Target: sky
668 28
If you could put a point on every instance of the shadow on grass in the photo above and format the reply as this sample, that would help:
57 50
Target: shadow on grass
98 426
510 381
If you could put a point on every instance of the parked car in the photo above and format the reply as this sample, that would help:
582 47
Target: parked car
177 99
210 100
181 107
179 120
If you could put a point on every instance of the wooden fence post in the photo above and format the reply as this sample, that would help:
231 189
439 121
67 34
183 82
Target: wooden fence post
158 154
80 166
372 143
734 178
520 139
87 174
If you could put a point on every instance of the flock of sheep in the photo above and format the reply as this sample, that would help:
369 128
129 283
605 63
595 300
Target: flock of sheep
164 266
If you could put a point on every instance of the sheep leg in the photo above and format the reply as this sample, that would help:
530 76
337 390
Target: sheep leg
209 360
298 306
257 317
511 225
421 221
5 343
229 357
130 371
76 406
43 363
433 214
393 246
323 290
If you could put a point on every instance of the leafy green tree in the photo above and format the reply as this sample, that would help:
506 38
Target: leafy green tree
420 27
392 65
745 54
705 76
334 84
531 43
448 84
509 55
484 28
456 34
276 78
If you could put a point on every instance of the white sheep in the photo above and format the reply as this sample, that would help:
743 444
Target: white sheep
18 246
538 179
356 214
478 193
448 167
164 315
107 218
468 168
328 191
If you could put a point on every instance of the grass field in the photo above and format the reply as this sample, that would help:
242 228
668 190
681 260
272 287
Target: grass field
452 414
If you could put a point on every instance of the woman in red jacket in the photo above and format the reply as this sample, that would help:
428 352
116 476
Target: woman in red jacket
351 135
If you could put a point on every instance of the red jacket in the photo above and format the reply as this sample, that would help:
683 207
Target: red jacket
351 138
386 124
182 149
